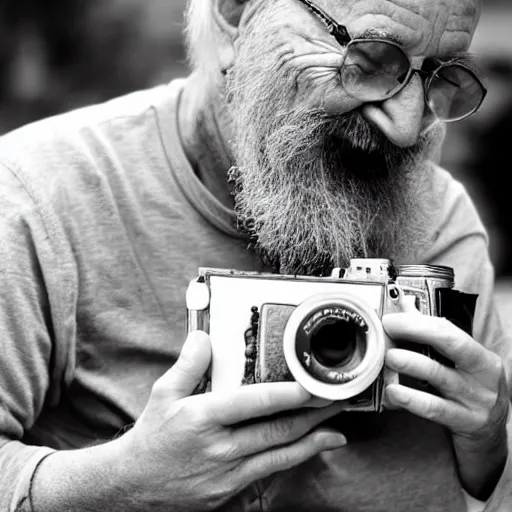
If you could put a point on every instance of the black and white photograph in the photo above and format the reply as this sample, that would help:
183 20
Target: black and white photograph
255 256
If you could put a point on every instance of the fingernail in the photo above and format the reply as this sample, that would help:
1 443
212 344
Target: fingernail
336 441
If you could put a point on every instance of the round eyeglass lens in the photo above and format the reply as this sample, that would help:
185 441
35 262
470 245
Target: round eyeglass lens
454 93
374 70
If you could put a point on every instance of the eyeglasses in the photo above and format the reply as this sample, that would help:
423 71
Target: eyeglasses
377 69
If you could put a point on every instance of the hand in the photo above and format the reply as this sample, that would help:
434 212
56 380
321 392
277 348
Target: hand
196 452
473 404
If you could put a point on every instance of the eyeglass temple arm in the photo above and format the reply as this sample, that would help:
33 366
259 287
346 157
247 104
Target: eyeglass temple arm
339 32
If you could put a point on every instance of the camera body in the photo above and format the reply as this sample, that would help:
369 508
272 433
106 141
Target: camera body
324 332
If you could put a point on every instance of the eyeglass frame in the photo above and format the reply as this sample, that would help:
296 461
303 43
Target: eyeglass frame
342 36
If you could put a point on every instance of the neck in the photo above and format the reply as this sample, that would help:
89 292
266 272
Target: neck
201 122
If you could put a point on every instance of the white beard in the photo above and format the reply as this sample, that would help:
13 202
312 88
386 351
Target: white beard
314 191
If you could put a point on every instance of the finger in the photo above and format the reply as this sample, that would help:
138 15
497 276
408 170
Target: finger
444 379
434 408
272 461
317 402
439 333
194 360
262 436
254 401
408 304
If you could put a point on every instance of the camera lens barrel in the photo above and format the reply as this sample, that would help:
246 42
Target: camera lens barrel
445 274
334 345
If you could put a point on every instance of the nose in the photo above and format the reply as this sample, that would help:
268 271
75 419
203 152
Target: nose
401 117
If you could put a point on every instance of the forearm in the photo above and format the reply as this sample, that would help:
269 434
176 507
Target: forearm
85 480
481 465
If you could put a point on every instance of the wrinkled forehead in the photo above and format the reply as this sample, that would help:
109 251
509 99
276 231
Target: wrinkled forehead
423 27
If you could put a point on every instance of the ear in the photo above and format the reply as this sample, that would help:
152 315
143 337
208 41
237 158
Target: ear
227 14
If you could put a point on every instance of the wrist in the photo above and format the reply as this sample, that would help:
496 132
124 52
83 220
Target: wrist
481 462
82 480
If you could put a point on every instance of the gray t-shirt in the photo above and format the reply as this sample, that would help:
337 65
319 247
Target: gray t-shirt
103 223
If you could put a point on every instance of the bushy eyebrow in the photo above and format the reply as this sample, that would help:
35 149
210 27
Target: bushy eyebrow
466 59
378 33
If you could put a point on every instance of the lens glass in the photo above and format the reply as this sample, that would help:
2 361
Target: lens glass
454 93
373 70
333 342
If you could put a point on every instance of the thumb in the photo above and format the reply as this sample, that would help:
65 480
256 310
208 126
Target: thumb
194 360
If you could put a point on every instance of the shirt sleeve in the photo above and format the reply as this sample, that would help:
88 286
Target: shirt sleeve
27 355
462 243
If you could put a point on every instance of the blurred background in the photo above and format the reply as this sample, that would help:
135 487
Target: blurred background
56 55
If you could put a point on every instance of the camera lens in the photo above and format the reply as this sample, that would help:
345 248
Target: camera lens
333 342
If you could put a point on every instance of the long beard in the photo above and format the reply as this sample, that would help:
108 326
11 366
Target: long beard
314 191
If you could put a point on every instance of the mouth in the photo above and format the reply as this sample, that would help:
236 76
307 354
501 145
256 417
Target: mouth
358 148
363 163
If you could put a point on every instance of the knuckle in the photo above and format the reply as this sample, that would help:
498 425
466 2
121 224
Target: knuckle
481 419
434 410
280 460
222 452
444 380
263 399
190 414
446 330
442 325
182 369
159 389
495 364
279 430
436 374
319 441
489 398
455 341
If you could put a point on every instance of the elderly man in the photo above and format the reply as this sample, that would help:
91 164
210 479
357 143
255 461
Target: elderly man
329 115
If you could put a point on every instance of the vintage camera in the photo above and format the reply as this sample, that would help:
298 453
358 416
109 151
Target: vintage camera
324 332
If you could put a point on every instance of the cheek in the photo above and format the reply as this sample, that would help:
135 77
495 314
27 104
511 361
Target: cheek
315 71
301 65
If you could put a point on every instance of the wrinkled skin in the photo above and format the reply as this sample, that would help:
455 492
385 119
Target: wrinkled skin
306 149
440 29
196 452
282 67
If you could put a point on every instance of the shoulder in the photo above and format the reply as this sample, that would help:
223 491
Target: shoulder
458 237
63 125
68 165
460 241
82 151
45 150
453 213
